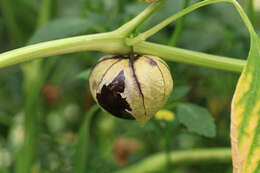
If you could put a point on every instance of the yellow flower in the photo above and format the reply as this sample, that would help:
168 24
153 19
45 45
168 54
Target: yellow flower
165 115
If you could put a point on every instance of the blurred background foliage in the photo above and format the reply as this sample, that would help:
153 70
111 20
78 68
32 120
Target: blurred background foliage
48 120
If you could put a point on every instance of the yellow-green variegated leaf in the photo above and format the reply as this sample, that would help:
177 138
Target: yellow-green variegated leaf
245 115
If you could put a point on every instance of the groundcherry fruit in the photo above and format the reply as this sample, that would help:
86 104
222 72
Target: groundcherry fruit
131 88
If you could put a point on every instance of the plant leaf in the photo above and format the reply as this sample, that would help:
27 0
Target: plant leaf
197 119
60 28
245 114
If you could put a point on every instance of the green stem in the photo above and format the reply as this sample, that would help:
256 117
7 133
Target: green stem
33 80
25 155
83 142
10 20
45 12
111 44
251 11
163 24
190 57
166 147
129 27
115 43
179 26
195 156
106 42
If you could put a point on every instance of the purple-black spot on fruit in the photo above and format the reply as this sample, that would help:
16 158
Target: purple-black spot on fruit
151 61
111 100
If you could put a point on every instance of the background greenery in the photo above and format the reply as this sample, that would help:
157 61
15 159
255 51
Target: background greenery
48 120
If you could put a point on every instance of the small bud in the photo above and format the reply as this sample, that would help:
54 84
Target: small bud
131 88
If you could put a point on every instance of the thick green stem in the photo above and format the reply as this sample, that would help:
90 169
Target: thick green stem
115 43
112 42
196 156
106 42
109 43
190 57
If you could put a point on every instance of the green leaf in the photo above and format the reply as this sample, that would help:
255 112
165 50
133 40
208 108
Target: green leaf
60 28
84 74
245 114
197 119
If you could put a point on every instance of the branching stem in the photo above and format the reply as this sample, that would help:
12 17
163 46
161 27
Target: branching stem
163 24
116 43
